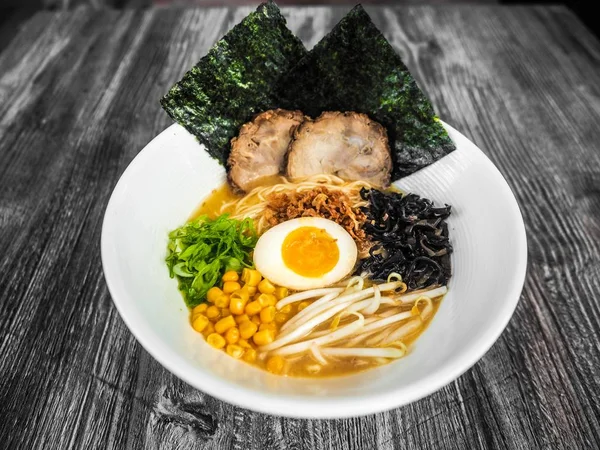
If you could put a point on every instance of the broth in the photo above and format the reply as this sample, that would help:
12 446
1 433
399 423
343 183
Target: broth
211 205
305 365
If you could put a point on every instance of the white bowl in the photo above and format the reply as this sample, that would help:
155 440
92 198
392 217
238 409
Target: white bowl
166 182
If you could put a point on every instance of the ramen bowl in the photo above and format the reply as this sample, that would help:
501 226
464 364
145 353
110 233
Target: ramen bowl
166 182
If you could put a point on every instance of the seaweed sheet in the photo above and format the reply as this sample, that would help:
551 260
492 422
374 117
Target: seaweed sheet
235 80
354 68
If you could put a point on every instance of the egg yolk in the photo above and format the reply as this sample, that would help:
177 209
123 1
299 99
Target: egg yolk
310 251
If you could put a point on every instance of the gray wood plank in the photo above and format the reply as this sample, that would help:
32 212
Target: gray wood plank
78 100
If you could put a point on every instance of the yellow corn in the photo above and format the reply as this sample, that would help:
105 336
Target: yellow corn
275 364
256 320
213 312
230 275
302 305
200 322
267 315
232 335
263 337
224 324
281 292
268 326
253 308
286 309
234 350
208 330
201 308
241 318
216 340
281 317
225 312
249 355
231 286
251 277
238 300
237 306
244 343
266 300
222 301
251 290
266 287
213 293
247 329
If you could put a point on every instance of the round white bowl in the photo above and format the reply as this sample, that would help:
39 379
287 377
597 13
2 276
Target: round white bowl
168 179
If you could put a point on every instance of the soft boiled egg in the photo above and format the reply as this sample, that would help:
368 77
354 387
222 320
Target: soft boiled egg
305 253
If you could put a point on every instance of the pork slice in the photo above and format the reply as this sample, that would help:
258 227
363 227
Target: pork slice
260 148
347 144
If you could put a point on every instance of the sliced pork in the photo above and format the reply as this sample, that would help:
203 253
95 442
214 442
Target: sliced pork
260 148
347 144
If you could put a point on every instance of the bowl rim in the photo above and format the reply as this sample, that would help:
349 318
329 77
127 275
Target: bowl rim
314 407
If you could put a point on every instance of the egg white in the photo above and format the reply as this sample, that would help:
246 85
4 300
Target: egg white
269 261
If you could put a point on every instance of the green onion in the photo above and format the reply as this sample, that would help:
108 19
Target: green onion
201 251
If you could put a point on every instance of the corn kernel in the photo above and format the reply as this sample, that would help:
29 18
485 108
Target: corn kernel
275 364
253 308
244 343
267 315
266 287
247 329
286 309
230 275
213 293
263 337
249 355
302 305
241 318
231 286
224 324
268 326
232 335
200 323
225 312
210 329
201 308
216 340
237 306
281 317
251 290
238 300
255 320
281 292
266 300
213 312
234 350
222 301
251 277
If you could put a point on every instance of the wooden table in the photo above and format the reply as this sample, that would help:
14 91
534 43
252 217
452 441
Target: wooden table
79 98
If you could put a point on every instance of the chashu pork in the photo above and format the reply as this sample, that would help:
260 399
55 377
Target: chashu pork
346 144
260 148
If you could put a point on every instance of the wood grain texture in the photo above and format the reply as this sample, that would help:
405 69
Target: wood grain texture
78 100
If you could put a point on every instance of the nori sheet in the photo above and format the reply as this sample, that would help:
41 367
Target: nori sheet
235 80
354 68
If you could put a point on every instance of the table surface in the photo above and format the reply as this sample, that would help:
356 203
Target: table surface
78 101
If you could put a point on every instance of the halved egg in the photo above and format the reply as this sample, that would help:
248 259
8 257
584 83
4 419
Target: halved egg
305 253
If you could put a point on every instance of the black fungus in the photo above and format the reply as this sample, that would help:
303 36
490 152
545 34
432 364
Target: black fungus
410 236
